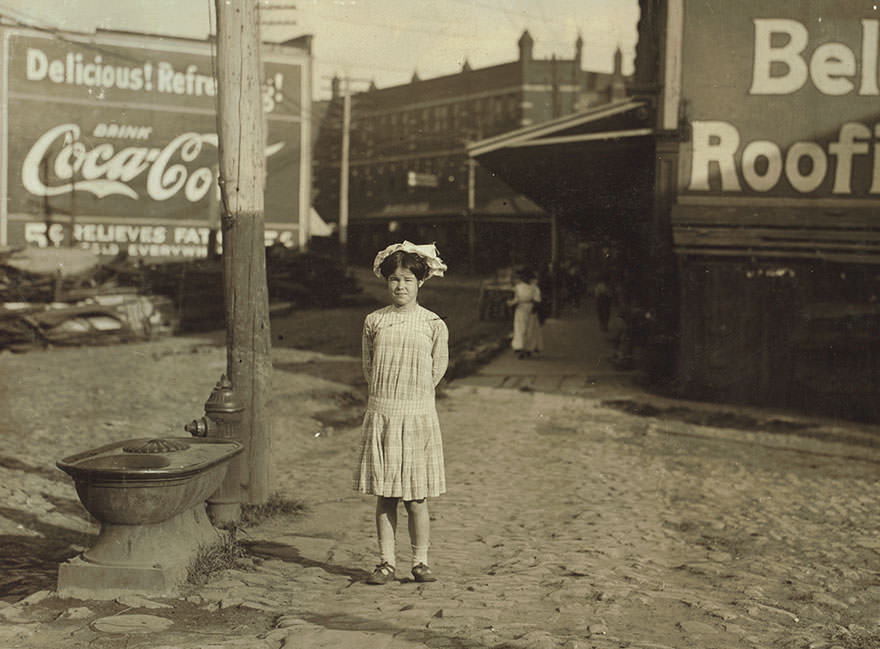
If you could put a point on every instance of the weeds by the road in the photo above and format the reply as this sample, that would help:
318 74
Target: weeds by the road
229 552
276 505
214 559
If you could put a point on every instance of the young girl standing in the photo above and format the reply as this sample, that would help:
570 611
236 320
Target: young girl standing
405 354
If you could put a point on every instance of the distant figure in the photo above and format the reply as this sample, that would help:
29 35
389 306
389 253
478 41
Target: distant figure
405 354
602 291
526 328
545 285
574 282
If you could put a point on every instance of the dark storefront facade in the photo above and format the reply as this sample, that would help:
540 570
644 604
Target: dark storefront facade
775 218
760 224
594 173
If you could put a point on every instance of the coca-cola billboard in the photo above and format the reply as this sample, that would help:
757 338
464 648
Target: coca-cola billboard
111 142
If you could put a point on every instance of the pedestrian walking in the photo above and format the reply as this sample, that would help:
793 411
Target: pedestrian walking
535 327
602 291
405 354
526 328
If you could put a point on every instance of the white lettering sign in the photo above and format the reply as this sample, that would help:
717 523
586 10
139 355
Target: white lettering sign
784 62
138 240
92 71
832 67
75 70
804 165
103 170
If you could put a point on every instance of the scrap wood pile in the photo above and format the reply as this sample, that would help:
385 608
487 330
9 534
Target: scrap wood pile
66 296
69 296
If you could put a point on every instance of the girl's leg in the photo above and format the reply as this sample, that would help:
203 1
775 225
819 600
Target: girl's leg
386 526
419 529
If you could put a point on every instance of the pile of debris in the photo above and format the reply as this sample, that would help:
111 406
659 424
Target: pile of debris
69 296
66 296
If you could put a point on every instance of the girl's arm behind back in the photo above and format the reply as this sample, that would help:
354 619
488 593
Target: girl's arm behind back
440 351
367 351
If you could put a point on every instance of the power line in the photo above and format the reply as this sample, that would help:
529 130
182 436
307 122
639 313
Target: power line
387 26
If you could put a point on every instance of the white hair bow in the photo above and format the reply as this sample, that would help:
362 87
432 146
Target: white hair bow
427 251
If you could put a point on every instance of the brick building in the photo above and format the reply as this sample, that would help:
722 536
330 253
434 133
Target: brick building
409 173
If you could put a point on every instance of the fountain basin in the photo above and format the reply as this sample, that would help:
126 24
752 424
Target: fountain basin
138 488
149 497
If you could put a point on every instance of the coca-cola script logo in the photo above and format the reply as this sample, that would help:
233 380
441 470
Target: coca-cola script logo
103 171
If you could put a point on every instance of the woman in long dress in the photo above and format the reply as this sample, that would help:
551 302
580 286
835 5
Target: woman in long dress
526 328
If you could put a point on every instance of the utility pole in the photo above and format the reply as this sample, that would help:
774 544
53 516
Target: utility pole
242 183
342 87
471 203
473 136
344 174
554 261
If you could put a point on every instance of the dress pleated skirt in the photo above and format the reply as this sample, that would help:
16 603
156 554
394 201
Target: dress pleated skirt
401 453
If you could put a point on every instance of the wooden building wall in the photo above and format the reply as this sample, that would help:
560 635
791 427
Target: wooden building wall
803 334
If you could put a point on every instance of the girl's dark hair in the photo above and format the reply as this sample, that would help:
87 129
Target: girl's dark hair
407 260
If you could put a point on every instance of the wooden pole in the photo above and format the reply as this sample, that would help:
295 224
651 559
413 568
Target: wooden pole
242 182
343 175
554 261
471 205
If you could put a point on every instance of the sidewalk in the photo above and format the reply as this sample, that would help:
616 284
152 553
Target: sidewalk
576 360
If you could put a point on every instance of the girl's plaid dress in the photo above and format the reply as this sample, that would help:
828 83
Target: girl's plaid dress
405 355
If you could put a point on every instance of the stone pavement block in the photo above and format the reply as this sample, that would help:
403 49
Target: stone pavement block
85 580
470 612
694 627
14 633
263 604
131 623
536 640
318 638
76 613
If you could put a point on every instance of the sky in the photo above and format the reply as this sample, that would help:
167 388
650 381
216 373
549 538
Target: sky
383 41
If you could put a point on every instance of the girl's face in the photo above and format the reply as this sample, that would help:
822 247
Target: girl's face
403 287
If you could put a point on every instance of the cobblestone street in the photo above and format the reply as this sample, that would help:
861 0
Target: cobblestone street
568 522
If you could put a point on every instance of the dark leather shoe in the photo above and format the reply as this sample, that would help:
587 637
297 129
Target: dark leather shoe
382 574
422 573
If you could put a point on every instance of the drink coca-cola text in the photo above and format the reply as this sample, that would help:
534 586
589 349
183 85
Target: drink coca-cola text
103 169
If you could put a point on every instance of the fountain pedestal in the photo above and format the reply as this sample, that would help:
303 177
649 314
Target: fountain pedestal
151 508
149 559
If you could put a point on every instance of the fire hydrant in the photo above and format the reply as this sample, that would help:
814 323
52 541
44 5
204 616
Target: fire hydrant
223 414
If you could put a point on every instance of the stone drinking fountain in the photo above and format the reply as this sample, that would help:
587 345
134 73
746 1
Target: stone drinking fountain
149 497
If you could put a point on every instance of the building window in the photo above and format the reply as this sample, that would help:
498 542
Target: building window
442 118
